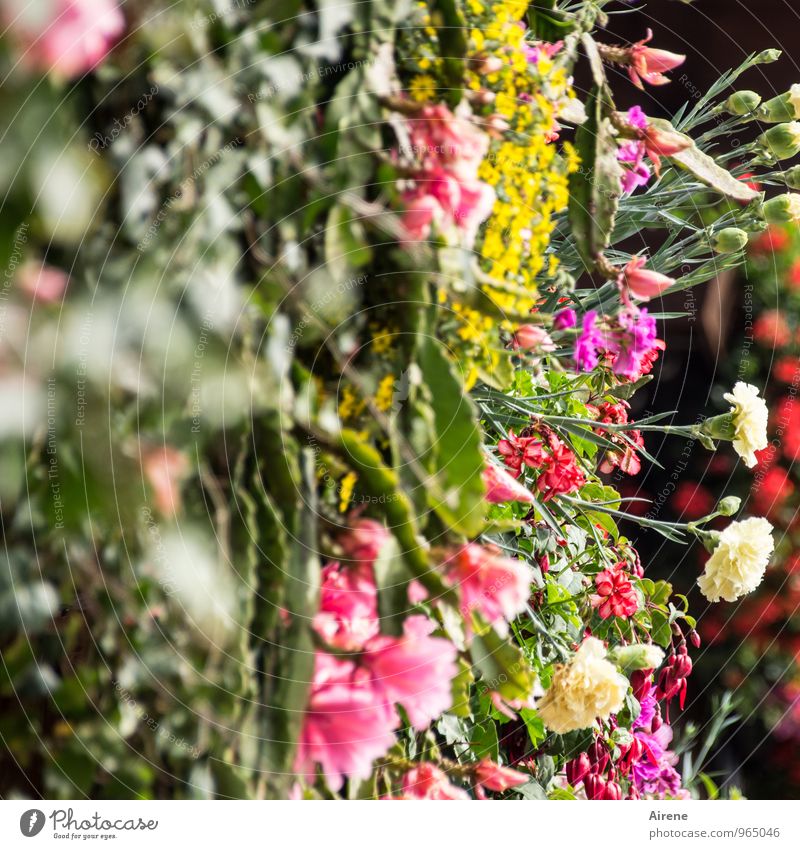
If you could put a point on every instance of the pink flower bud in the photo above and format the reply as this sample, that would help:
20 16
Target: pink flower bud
498 778
643 283
648 64
531 337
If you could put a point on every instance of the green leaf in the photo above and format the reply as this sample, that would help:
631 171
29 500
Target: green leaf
702 166
458 494
502 665
483 741
392 579
595 188
662 631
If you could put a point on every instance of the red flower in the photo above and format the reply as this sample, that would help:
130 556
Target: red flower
772 240
627 458
615 594
562 474
786 369
771 330
772 490
793 277
692 500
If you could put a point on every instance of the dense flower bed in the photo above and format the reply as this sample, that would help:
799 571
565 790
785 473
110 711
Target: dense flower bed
326 331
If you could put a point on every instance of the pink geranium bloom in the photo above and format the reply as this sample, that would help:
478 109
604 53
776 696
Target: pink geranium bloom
502 487
427 781
347 723
414 670
498 778
494 586
348 608
68 37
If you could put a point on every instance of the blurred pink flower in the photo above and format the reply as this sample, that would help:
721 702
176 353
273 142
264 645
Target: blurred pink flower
502 487
43 283
348 611
347 723
498 778
643 283
364 541
427 781
165 468
414 670
530 337
497 587
68 37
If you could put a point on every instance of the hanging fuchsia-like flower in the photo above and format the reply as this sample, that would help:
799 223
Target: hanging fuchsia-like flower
641 282
502 487
67 37
490 584
649 64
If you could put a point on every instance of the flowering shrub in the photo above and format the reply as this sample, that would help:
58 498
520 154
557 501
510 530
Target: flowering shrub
323 361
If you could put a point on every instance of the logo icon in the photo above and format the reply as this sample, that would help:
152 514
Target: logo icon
31 822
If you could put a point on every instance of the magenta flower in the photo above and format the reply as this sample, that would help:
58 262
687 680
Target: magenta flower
589 341
565 319
634 342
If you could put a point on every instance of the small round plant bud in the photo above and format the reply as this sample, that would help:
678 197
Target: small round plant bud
767 56
783 140
792 177
638 656
729 505
742 102
729 240
782 209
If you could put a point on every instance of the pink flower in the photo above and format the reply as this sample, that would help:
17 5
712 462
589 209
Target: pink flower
68 37
643 283
414 670
615 594
649 63
445 140
347 723
495 586
165 469
427 781
348 611
364 541
502 487
530 337
498 778
43 283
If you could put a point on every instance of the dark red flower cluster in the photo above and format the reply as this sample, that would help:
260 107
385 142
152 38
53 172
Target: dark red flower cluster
545 453
627 458
672 680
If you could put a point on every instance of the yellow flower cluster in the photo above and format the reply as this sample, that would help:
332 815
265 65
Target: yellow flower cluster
524 166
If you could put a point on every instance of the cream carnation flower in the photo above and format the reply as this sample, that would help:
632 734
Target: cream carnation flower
589 686
794 99
750 416
738 563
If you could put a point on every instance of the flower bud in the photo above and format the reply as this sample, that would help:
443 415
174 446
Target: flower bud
729 240
792 177
638 656
622 737
782 209
742 102
767 56
784 107
729 505
782 141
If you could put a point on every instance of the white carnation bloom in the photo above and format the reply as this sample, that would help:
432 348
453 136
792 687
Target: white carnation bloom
738 563
794 99
750 417
586 688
